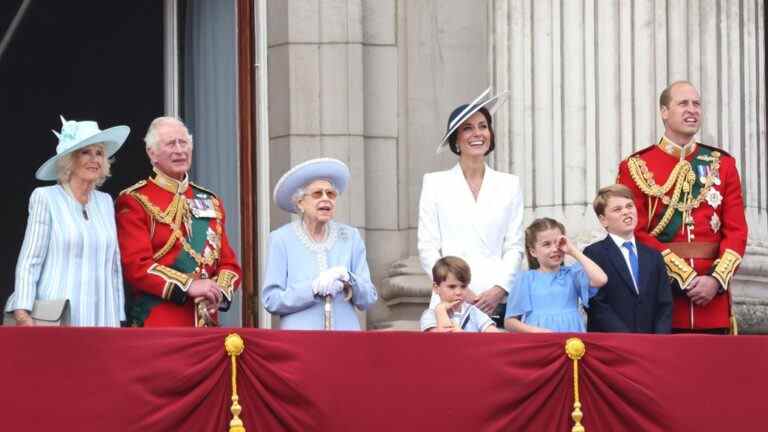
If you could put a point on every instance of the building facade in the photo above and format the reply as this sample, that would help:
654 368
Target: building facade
372 82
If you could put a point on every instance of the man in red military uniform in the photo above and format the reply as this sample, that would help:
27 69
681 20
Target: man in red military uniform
690 208
173 244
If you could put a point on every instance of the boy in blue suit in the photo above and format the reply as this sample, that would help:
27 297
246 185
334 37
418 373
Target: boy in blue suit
637 297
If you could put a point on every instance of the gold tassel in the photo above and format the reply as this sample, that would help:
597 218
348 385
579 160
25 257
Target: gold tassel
575 350
234 345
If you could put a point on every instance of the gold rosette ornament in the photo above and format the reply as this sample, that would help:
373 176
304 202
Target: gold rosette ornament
575 350
234 345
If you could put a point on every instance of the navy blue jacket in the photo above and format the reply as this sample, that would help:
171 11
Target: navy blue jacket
617 307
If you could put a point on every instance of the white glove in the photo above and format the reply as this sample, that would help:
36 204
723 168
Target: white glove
339 273
334 288
327 283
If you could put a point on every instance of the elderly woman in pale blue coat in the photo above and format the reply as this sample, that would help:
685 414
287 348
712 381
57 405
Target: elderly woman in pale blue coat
316 273
70 249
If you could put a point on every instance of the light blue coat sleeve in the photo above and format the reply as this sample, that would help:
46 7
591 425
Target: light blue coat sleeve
280 297
363 292
33 252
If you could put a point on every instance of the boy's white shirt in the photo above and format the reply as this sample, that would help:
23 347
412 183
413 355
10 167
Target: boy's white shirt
458 317
625 253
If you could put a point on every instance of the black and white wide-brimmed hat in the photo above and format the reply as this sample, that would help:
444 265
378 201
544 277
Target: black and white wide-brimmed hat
463 112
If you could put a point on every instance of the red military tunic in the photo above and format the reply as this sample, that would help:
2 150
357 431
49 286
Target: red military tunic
172 233
692 211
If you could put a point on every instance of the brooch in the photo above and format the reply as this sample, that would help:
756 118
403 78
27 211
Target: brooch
714 223
714 198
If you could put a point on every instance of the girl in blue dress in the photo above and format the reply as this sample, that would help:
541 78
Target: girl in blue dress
546 297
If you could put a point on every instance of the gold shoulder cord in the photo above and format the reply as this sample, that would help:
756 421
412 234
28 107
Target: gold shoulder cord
680 181
176 213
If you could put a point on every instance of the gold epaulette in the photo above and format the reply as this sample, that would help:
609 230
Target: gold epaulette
197 186
137 185
678 269
725 267
715 149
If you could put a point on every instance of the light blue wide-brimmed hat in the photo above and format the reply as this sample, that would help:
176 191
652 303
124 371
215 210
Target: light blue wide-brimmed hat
463 112
304 173
75 135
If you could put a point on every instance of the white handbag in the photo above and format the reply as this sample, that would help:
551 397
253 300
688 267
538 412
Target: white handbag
45 313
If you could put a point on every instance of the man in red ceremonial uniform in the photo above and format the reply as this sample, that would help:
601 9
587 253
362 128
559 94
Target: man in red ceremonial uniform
690 208
173 244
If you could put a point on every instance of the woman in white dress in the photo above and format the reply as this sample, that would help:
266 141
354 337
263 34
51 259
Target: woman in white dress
473 211
70 248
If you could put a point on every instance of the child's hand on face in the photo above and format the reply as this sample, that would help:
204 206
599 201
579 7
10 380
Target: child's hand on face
564 245
451 306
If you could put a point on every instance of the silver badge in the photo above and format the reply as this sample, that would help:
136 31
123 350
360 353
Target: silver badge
714 223
714 198
213 238
716 178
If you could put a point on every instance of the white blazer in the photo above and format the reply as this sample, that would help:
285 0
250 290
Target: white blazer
487 233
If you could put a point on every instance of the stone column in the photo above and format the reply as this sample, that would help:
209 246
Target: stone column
441 49
585 76
316 94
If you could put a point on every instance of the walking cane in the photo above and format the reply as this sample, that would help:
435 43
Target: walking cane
328 312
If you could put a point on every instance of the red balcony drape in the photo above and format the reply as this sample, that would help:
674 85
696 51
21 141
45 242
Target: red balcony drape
179 380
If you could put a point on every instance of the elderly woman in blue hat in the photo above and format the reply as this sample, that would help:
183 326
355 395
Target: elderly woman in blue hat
316 273
70 251
473 211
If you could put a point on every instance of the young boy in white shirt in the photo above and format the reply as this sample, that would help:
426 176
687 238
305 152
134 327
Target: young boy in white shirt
450 278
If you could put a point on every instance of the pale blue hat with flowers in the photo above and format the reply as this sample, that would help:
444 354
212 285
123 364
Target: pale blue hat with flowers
75 135
304 173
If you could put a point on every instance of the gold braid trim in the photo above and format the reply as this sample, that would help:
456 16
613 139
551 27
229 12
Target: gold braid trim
132 188
678 269
680 181
226 281
644 178
725 267
176 213
169 275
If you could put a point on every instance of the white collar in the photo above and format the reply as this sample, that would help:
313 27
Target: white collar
621 240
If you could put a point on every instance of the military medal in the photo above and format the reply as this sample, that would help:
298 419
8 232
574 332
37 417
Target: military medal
202 207
714 198
714 223
703 173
